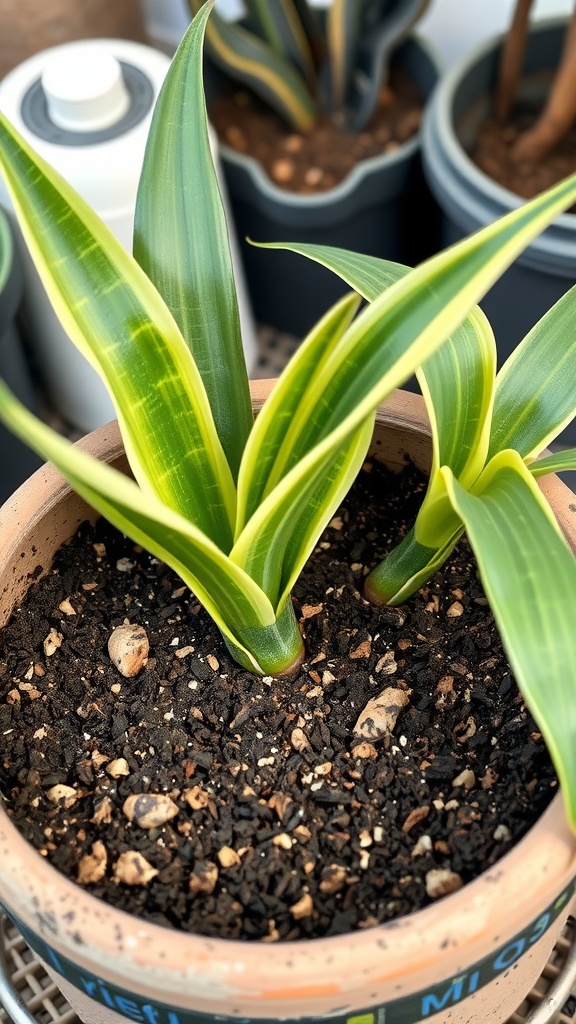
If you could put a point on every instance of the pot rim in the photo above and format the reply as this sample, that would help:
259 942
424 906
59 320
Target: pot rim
470 920
440 112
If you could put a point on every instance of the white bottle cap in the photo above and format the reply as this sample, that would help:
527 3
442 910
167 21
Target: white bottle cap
85 90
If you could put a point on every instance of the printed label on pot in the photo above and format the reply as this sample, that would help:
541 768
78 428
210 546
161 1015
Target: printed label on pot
410 1009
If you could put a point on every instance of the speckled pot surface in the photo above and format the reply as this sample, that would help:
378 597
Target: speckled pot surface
469 958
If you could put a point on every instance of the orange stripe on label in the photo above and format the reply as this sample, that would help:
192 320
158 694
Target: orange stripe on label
308 992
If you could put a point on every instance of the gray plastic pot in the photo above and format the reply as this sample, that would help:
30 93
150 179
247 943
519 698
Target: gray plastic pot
470 199
383 208
18 462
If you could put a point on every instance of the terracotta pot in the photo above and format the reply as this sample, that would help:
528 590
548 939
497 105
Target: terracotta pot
470 957
35 25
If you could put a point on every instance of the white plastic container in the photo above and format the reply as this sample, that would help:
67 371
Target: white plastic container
86 108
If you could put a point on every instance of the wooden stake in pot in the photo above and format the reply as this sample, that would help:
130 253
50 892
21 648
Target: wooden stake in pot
560 109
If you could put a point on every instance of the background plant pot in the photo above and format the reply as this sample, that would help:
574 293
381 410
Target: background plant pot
469 957
470 199
382 208
18 462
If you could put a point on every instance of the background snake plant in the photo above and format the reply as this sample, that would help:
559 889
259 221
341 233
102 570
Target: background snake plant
300 63
236 508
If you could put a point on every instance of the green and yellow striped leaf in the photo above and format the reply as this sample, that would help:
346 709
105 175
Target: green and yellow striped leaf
367 275
405 325
408 567
373 349
529 576
238 606
118 321
536 387
464 367
557 463
458 388
181 241
280 536
267 454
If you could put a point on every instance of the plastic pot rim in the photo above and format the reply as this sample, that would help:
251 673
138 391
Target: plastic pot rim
447 162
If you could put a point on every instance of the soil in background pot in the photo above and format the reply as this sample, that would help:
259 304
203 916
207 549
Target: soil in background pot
313 163
492 153
263 809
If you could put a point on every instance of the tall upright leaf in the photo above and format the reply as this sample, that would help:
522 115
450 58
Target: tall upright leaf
262 465
181 241
116 318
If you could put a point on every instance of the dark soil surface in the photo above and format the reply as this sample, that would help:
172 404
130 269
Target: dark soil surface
267 816
318 161
493 155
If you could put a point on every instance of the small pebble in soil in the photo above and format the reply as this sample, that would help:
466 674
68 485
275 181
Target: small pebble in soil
128 648
63 796
441 882
380 714
92 866
149 810
303 908
132 868
118 768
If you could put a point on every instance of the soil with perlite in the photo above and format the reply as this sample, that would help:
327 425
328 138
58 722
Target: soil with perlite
321 159
397 766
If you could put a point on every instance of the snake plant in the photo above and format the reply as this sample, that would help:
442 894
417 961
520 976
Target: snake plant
299 63
237 507
488 433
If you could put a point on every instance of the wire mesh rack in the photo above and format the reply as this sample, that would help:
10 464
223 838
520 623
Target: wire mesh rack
46 1004
38 993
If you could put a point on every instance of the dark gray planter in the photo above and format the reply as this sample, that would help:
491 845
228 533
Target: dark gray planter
18 461
383 208
470 199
